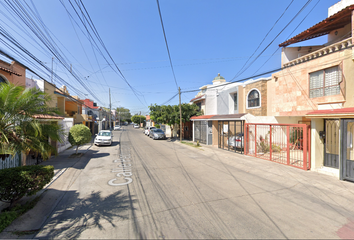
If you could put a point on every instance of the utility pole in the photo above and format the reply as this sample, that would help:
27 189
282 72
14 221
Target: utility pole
180 115
140 119
110 109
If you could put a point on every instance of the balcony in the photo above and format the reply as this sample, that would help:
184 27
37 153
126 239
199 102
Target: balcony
338 46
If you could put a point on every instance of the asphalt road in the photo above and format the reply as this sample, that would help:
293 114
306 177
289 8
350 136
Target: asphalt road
160 189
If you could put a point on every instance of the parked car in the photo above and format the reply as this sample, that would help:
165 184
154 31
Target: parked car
147 130
117 127
236 141
136 125
104 137
157 134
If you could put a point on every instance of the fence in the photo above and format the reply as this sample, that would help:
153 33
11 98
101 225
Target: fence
200 131
282 143
9 161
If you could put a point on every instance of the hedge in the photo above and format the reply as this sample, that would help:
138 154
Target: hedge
15 183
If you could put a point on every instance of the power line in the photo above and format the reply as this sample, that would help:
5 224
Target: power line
44 37
305 5
237 74
168 50
289 35
240 80
95 32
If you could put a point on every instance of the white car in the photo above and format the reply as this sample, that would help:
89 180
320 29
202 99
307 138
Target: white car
136 125
104 137
117 127
147 130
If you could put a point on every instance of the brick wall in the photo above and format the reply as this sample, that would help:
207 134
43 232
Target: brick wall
261 86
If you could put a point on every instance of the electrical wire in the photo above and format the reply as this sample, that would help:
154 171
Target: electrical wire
237 74
168 50
297 14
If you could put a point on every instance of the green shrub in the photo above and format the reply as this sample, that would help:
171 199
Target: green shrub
157 125
7 217
15 183
78 135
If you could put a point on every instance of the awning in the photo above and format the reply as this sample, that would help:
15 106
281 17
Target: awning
336 21
224 117
332 113
228 117
201 118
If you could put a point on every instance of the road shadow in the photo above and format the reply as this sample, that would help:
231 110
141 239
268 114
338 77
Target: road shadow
74 215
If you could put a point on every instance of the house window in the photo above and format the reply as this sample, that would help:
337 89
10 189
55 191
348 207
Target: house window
235 101
325 82
253 99
199 104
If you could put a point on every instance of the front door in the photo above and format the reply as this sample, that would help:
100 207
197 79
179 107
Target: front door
347 166
331 146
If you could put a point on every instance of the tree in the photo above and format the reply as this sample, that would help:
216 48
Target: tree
170 114
19 130
136 118
123 114
78 135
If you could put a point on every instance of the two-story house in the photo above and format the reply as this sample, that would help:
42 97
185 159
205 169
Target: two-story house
90 111
227 106
316 86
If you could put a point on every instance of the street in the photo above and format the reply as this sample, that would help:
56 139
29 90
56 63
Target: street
160 189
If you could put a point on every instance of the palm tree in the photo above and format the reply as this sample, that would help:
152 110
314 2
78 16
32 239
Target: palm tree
19 130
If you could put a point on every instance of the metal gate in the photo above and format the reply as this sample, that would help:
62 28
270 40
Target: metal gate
347 166
287 144
331 146
230 135
200 131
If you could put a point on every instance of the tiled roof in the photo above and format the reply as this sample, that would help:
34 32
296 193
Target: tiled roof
42 116
196 98
10 71
336 21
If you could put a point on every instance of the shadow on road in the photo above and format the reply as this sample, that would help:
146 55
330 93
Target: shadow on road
75 215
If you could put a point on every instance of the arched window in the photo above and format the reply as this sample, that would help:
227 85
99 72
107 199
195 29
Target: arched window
253 99
3 79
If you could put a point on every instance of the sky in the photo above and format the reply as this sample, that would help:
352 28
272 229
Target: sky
118 46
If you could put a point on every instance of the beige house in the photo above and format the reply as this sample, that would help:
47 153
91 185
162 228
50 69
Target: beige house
316 86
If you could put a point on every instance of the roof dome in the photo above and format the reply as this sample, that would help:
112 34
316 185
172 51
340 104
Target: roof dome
219 79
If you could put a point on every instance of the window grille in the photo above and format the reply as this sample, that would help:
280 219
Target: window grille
253 99
325 82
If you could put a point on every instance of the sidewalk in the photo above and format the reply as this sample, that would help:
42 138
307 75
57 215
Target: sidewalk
61 162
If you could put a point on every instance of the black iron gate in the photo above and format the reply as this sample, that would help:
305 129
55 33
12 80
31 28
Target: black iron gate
331 146
230 135
200 131
347 165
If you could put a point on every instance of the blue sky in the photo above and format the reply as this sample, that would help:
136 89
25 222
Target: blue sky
205 37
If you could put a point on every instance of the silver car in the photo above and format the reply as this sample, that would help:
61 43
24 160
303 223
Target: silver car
147 130
157 134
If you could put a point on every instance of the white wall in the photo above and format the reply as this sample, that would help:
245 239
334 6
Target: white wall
339 6
66 124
